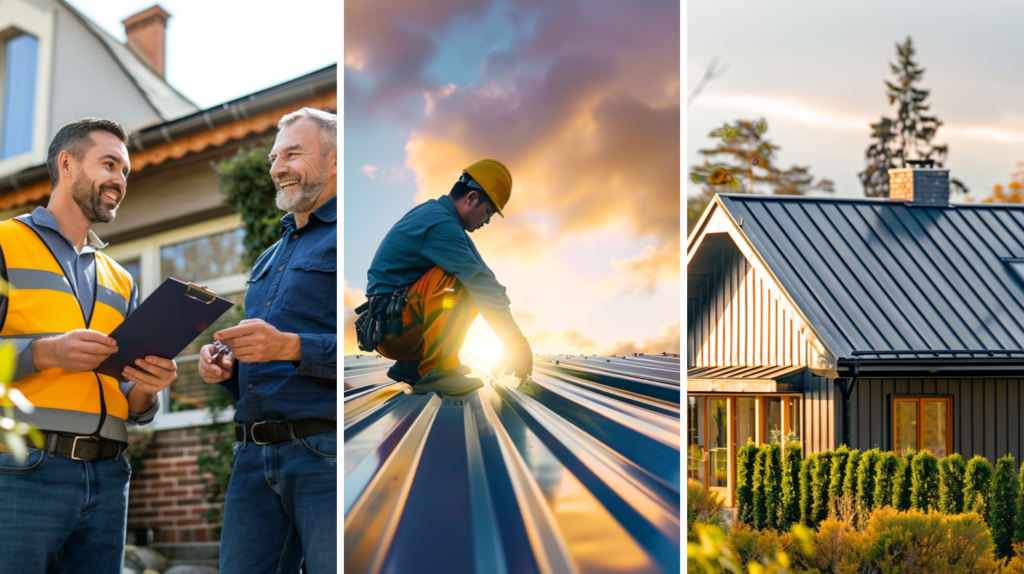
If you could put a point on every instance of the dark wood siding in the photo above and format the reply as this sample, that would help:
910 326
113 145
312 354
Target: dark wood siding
820 414
986 414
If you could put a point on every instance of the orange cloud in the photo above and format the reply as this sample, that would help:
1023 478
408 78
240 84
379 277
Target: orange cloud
667 341
353 299
646 269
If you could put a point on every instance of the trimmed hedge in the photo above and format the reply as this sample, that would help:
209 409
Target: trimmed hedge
924 492
977 483
885 476
850 478
745 481
1003 505
767 486
819 488
791 495
866 472
807 470
903 481
840 457
952 470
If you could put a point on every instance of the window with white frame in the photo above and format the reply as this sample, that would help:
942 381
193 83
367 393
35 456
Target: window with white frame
26 64
208 253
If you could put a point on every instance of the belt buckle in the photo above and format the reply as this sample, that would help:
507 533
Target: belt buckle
252 433
75 445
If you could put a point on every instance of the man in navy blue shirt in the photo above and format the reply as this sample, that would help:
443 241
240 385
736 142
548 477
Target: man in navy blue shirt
429 253
281 505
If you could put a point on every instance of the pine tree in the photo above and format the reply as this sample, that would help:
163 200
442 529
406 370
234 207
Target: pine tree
907 137
902 481
924 492
745 459
885 478
1003 505
791 494
952 470
977 482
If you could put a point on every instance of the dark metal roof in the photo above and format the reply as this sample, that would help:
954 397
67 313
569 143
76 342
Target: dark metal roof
576 470
743 373
876 275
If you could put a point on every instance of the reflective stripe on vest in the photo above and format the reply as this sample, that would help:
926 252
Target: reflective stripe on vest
42 303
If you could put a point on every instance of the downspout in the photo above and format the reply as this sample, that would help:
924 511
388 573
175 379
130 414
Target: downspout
846 388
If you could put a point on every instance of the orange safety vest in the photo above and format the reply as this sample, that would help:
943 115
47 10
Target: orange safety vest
41 303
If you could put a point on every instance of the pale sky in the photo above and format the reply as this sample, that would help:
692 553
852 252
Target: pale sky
219 50
815 71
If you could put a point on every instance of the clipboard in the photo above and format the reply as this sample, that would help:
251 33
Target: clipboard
164 324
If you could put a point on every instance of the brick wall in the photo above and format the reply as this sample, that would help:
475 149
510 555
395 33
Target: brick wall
167 495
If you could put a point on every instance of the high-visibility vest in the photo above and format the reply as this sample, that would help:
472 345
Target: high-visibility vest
41 303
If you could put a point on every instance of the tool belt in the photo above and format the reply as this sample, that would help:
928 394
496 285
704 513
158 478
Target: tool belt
381 315
82 448
272 432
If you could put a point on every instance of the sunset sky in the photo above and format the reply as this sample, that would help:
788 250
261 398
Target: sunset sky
581 100
815 71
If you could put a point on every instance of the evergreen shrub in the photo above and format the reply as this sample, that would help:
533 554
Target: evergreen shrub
924 491
902 481
952 470
791 469
885 475
745 482
977 481
1003 505
866 472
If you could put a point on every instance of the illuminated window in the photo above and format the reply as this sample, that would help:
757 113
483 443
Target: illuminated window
21 54
922 424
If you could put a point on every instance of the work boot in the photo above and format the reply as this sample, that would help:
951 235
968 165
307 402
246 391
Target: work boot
405 372
451 382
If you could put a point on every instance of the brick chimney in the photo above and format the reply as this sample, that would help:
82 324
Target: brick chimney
145 32
920 183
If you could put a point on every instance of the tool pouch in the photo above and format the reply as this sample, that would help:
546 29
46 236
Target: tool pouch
381 315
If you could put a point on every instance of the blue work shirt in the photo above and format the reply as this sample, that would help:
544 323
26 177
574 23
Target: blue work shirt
80 273
432 234
294 287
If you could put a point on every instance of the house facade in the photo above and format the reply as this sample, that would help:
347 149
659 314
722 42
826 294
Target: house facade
172 221
872 323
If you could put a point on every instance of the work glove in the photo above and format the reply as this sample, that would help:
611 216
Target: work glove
517 359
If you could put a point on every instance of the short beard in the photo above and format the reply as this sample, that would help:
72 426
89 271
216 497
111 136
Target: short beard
305 195
89 198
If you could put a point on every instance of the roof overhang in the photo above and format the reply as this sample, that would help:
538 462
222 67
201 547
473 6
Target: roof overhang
939 368
745 379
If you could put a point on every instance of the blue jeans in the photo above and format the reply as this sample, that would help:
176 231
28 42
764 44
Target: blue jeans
62 516
282 508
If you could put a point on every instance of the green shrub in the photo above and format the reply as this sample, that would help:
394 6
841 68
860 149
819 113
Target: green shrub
924 491
773 484
840 456
745 482
916 541
866 471
807 470
835 548
1003 505
977 485
951 484
749 545
702 506
822 473
1018 531
850 475
760 506
885 475
903 481
791 468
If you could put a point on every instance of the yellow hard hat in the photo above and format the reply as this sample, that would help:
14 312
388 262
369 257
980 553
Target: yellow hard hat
495 179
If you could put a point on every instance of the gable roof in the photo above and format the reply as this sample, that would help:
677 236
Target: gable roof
167 102
877 275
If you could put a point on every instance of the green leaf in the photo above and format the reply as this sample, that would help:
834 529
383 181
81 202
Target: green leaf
735 184
762 126
695 177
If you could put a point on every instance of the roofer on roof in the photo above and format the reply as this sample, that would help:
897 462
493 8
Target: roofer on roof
427 282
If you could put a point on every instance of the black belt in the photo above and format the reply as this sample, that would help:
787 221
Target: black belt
83 448
271 432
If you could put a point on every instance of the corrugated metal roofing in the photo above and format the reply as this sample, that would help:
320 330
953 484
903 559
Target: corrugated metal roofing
743 373
576 470
878 275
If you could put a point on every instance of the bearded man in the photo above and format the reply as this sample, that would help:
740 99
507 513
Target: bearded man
281 505
65 505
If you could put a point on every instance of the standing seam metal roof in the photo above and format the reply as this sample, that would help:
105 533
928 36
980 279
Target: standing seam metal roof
576 470
882 275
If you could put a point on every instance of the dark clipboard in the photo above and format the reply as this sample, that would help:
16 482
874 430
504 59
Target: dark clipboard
164 324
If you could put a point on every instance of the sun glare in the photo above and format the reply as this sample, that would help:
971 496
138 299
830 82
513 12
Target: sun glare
482 346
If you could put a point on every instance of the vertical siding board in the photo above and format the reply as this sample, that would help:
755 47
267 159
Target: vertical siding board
888 389
877 409
1002 429
816 413
978 416
863 418
966 419
989 416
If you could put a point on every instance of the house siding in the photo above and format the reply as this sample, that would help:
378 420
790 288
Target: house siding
737 317
985 417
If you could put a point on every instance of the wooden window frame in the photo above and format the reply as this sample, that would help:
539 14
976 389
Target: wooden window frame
920 400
